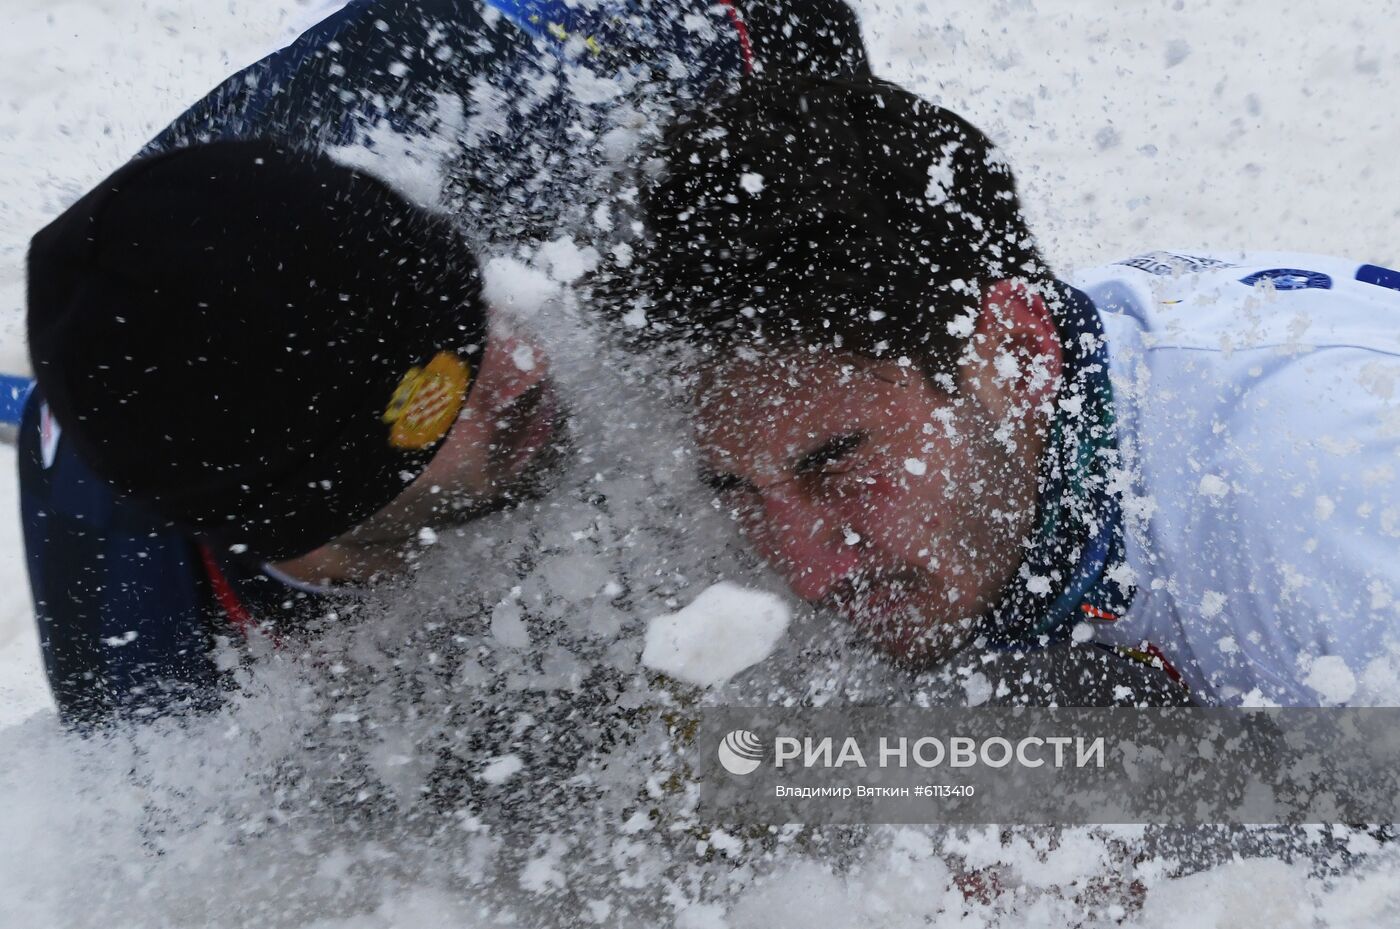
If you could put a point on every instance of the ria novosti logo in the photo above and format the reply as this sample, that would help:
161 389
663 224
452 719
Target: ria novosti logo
741 752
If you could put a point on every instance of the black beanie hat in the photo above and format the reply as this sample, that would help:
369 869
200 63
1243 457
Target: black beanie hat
261 344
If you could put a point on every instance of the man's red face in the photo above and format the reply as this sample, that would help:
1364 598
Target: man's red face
872 490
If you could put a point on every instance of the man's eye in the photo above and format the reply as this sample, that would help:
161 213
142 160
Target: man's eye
835 457
722 483
843 465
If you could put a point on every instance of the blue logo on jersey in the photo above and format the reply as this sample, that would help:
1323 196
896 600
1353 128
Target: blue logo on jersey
1381 277
1290 279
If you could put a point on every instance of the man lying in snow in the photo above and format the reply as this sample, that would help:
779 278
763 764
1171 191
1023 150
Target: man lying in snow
260 372
1189 459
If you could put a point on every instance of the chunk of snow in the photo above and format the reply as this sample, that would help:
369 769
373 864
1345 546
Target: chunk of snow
508 625
915 467
499 770
941 178
1212 603
523 357
1007 367
752 183
573 577
543 872
566 260
512 284
1323 508
414 164
1332 678
963 326
1213 486
977 688
725 630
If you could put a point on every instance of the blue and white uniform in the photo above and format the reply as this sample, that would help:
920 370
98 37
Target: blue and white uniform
1258 407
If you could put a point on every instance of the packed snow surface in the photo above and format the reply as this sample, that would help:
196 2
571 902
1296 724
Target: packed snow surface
330 795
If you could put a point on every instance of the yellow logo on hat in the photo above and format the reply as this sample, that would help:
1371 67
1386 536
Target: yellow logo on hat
427 401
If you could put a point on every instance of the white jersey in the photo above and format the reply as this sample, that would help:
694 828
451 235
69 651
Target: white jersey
1258 398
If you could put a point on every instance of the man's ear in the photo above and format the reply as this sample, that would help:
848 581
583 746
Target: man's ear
1015 358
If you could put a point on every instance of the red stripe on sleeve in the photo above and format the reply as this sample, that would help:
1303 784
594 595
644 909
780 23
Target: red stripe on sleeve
238 615
1167 666
742 28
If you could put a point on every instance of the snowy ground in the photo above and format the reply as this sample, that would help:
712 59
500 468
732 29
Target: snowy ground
1133 125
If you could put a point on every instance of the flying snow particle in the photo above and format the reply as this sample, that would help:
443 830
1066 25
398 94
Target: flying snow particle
499 770
915 467
508 625
1213 486
416 165
523 357
566 260
962 326
1332 678
1212 603
941 178
1122 575
752 183
543 873
1008 369
725 630
1323 508
602 217
517 286
977 688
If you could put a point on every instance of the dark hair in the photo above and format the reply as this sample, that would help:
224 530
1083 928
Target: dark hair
849 213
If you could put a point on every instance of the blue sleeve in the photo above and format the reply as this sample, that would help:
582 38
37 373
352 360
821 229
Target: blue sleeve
368 61
516 87
388 61
119 595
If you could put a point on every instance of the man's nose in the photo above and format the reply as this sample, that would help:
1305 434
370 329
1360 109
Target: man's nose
803 542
